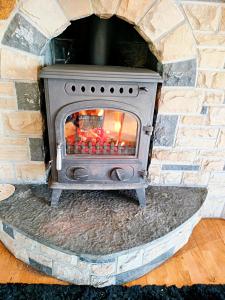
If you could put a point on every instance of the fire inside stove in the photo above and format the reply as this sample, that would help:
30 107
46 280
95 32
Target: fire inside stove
101 131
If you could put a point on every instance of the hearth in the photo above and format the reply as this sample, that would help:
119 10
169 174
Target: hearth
99 124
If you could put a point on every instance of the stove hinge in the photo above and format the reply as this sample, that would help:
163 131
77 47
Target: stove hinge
143 174
148 129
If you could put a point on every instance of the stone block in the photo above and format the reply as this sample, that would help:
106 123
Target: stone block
39 16
207 79
28 96
181 73
3 25
23 67
176 45
7 88
181 101
23 123
211 154
217 116
76 9
193 178
202 16
211 58
221 139
70 273
6 7
156 23
101 281
22 35
171 178
7 241
154 173
217 178
105 8
6 172
176 167
39 266
8 229
132 11
222 24
13 141
213 97
195 120
103 269
30 172
165 130
23 241
36 149
173 155
21 254
209 165
9 103
196 138
129 261
16 153
58 256
209 39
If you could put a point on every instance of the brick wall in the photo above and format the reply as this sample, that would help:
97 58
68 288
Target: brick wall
188 38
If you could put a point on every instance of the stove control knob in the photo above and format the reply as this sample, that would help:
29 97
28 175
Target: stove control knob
119 174
80 174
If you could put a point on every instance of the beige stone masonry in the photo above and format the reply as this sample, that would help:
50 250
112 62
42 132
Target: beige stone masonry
31 172
105 8
132 10
8 103
176 45
222 24
173 156
202 16
193 178
14 153
15 65
196 138
211 58
47 15
181 101
154 173
210 165
172 177
217 178
214 97
212 39
212 154
207 79
217 115
28 123
221 139
6 171
2 29
76 9
195 120
157 23
7 88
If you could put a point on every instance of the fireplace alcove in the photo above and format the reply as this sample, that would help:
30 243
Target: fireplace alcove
142 239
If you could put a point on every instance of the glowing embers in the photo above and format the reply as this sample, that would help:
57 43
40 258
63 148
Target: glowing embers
101 132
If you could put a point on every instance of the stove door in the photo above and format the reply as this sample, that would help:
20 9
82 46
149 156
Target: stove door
99 142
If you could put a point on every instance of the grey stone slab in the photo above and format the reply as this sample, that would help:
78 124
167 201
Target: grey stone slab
99 222
28 96
42 268
36 149
204 110
181 73
181 167
138 272
8 229
91 259
22 35
165 128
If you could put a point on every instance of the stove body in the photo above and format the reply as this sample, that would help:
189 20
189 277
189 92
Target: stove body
99 125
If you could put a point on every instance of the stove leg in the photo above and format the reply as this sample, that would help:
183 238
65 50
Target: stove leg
55 197
141 197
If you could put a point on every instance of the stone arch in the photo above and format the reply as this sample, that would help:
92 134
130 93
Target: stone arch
168 34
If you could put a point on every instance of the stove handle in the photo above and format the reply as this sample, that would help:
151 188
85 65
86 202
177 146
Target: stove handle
59 157
143 88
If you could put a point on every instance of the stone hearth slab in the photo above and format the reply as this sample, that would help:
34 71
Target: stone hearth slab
98 237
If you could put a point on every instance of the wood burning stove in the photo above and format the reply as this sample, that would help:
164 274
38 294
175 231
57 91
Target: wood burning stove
99 125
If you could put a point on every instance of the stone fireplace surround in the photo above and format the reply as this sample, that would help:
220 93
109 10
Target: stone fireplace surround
187 37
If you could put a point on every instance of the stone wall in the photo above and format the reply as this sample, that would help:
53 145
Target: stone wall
188 37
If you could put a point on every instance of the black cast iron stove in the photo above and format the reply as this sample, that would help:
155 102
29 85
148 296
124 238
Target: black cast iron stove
99 124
